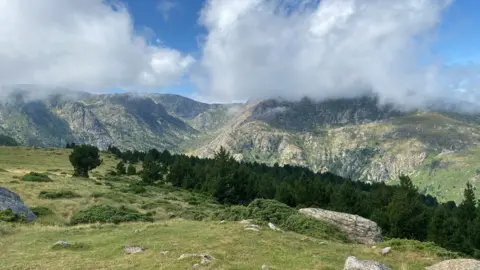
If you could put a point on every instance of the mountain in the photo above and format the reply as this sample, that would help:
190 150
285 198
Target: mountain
355 138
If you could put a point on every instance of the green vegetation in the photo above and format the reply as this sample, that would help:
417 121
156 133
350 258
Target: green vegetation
285 217
175 212
8 215
84 158
41 211
7 141
107 213
61 194
36 177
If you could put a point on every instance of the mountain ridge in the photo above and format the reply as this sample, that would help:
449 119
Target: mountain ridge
355 138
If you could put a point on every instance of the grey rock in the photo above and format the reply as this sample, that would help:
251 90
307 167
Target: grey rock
164 252
458 264
62 244
273 227
357 228
386 250
264 267
133 249
11 200
205 258
353 263
251 229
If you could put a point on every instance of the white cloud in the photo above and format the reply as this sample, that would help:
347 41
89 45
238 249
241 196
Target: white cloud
85 45
335 48
165 7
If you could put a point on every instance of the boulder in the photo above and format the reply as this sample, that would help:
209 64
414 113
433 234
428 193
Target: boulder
458 264
353 263
357 228
9 199
385 251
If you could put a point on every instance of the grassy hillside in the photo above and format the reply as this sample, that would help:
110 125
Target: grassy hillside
176 227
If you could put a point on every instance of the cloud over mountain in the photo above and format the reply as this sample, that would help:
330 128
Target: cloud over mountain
324 49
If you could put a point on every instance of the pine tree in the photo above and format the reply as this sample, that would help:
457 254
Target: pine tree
121 168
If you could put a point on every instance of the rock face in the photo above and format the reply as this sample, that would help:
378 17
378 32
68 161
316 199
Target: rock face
9 199
353 263
358 229
459 264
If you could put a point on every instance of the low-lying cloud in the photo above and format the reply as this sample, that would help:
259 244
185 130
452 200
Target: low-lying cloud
325 49
87 45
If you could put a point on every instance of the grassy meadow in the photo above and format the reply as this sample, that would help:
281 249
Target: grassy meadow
182 224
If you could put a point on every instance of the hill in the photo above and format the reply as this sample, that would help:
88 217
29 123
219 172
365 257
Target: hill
176 227
355 138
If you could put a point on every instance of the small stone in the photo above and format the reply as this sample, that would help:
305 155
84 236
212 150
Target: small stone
164 252
245 221
251 229
253 226
62 243
353 263
264 267
374 247
205 258
133 249
223 221
386 250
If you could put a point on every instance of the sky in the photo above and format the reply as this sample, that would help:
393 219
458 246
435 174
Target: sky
409 52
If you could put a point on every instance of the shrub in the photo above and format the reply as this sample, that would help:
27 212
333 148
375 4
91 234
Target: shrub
120 169
414 245
41 211
61 194
36 177
97 194
283 216
8 215
131 170
136 188
108 214
193 214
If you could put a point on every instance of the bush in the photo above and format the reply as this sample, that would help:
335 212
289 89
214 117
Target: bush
8 215
97 194
120 169
131 170
41 211
136 188
62 194
108 214
36 177
416 246
193 214
283 216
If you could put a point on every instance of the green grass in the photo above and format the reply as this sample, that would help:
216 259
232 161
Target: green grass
230 245
61 194
176 226
36 177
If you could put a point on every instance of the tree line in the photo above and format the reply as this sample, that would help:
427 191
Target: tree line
400 210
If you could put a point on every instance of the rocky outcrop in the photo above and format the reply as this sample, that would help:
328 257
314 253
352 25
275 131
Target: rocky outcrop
357 228
458 264
353 263
10 200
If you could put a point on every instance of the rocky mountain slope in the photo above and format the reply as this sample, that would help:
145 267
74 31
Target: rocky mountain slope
355 138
